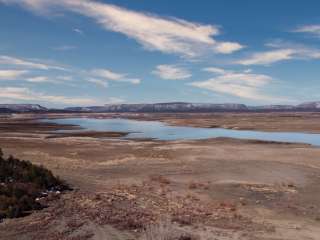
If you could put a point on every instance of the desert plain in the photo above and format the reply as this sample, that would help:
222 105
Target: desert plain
219 188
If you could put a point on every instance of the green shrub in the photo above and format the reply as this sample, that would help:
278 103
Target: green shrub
21 182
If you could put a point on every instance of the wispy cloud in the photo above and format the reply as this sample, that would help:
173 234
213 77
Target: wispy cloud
13 61
133 80
168 35
227 47
108 74
99 82
113 76
281 51
268 57
45 79
239 84
27 76
214 70
11 74
79 31
64 48
310 29
171 72
65 78
25 94
38 79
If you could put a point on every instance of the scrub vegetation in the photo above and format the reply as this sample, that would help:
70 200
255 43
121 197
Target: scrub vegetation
22 184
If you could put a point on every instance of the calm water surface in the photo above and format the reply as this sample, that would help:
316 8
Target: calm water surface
162 131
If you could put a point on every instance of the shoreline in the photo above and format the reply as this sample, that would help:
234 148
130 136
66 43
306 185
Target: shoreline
267 122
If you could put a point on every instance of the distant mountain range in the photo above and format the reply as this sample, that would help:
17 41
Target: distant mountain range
13 108
162 107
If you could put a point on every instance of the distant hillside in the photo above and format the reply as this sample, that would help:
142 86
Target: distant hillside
309 105
21 108
162 107
274 107
174 107
195 107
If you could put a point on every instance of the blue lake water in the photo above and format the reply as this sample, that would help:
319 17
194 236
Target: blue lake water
162 131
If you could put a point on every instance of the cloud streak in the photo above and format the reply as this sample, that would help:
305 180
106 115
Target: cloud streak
79 31
113 76
310 29
214 70
168 35
25 94
239 84
171 72
13 61
227 47
38 79
64 48
268 57
99 82
46 79
282 52
11 74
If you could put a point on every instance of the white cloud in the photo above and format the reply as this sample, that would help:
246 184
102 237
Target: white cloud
7 60
79 31
14 93
25 94
11 74
44 79
171 72
48 79
214 70
113 76
168 35
107 74
281 51
241 84
268 57
227 47
99 82
65 78
132 80
311 29
39 79
247 70
221 71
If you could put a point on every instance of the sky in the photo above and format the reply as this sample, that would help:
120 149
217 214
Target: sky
94 52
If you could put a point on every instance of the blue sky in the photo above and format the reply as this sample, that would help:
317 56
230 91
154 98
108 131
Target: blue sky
80 52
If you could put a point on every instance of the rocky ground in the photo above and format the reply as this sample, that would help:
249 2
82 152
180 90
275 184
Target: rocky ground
208 189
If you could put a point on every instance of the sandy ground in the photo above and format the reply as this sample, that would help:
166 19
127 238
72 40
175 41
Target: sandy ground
213 189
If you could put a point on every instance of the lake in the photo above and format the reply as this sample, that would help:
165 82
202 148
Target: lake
162 131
